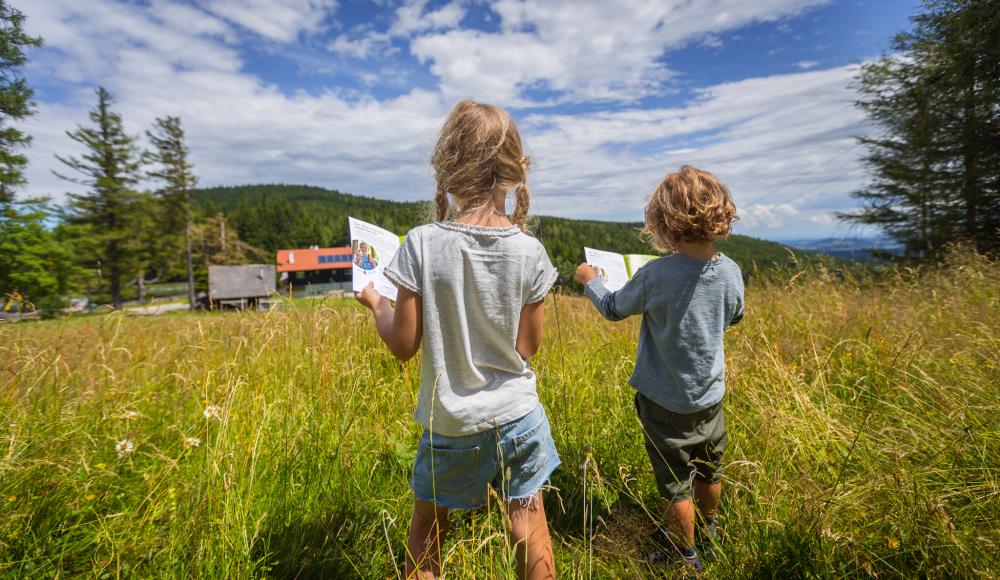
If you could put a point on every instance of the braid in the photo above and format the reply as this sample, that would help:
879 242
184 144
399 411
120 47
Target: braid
522 200
440 205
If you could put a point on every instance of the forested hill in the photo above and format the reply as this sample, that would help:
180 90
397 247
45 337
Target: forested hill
296 216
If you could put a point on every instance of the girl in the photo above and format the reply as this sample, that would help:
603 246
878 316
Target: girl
364 257
471 285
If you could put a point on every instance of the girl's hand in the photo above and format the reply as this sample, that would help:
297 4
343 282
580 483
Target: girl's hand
585 273
369 297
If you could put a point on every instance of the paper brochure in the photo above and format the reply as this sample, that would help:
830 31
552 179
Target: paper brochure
372 249
616 269
635 261
610 267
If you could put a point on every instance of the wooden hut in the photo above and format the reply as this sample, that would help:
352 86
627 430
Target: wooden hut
250 285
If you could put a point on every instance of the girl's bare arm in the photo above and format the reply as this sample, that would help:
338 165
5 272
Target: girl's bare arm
401 329
529 330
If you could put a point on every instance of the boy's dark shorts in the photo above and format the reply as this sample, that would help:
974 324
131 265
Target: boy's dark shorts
682 447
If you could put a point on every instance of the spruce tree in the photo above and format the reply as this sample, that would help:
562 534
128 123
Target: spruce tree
15 99
36 266
110 213
37 270
177 175
935 98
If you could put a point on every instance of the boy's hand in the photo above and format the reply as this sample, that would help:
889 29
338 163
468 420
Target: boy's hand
369 297
585 273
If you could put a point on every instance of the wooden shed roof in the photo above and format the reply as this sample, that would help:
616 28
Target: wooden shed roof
246 281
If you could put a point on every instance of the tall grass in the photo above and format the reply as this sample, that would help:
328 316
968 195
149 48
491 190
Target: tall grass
863 419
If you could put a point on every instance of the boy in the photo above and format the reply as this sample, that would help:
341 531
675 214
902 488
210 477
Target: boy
687 300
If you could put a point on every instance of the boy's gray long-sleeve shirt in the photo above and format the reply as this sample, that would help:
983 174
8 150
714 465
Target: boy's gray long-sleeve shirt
686 306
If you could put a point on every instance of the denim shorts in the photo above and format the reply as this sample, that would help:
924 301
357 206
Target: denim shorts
516 459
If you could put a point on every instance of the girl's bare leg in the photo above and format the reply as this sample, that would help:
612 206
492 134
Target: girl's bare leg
529 531
423 548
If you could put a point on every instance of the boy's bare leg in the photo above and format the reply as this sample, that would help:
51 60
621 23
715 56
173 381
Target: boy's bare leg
680 516
706 495
423 548
529 531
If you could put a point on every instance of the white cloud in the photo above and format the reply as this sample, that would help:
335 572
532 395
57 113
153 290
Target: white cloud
778 142
96 40
193 20
279 20
711 41
412 17
241 130
807 64
362 45
823 219
582 50
761 215
775 139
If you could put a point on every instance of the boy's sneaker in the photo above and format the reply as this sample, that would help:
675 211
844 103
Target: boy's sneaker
662 551
707 538
691 560
688 557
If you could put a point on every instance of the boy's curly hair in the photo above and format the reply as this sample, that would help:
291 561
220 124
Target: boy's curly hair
689 205
478 150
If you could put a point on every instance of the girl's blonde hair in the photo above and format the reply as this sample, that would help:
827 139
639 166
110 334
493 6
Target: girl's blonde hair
478 150
689 205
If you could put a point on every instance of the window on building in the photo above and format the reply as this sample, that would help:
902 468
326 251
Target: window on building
334 258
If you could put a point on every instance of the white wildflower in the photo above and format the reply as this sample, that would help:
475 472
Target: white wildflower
124 447
191 442
213 412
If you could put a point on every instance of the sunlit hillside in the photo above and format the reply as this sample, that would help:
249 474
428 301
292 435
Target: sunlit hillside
294 216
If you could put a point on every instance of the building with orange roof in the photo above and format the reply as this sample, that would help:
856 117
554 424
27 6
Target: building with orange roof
315 270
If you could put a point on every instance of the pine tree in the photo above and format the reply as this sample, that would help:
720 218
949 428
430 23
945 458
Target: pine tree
151 248
15 99
177 174
969 52
37 270
111 211
36 266
936 99
904 195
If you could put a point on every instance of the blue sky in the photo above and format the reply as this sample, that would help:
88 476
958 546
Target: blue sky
609 96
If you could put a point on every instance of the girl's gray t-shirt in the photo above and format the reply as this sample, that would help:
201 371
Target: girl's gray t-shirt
474 281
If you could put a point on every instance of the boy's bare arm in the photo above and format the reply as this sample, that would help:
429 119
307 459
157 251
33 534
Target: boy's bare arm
529 330
401 329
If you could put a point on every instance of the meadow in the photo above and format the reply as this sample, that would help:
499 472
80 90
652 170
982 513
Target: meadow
864 417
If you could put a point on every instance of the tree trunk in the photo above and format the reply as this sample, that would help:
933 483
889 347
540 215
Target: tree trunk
140 284
114 274
926 248
115 278
970 180
190 263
